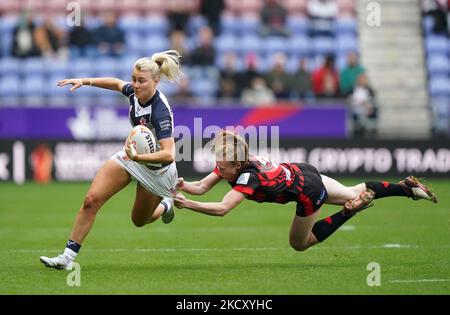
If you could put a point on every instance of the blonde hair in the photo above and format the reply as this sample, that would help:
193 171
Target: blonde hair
229 146
164 65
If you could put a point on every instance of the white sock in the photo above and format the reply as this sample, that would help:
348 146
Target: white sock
167 203
70 254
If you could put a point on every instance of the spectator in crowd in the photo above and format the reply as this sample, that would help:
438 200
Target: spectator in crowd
273 19
81 43
178 13
350 74
258 94
250 72
24 37
325 79
301 81
183 95
50 39
364 108
178 43
204 54
278 79
322 14
212 10
229 78
110 39
437 9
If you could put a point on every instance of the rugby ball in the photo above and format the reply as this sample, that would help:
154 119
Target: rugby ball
143 140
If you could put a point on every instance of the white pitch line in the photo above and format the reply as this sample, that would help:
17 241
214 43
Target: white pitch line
351 247
419 280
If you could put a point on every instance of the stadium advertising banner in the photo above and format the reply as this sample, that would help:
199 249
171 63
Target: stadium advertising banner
112 123
45 161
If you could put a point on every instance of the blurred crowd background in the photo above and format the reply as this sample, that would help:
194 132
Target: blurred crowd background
249 53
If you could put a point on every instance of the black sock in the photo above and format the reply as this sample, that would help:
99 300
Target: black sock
73 246
324 228
385 189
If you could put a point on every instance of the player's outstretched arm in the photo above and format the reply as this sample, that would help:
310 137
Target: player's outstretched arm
200 187
230 201
105 83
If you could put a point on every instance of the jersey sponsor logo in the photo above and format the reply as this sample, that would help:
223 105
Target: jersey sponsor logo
165 124
288 173
243 179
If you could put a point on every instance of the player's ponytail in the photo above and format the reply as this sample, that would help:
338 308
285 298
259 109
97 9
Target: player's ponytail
165 65
229 146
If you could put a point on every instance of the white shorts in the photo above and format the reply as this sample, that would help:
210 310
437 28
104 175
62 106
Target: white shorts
161 181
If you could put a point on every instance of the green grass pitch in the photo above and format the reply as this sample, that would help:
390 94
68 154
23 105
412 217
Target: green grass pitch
245 252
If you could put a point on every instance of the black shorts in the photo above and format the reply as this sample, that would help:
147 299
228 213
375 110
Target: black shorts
313 193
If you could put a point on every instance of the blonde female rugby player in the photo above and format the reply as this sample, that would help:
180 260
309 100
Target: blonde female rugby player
258 179
156 179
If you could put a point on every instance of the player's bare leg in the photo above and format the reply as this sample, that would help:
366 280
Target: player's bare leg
300 236
339 194
147 207
109 180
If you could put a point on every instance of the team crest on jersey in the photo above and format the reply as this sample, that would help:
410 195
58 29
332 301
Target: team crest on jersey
243 179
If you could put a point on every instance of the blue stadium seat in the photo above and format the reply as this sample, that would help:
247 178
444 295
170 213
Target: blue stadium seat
229 25
226 43
153 43
298 25
167 88
9 66
133 42
10 86
154 25
130 23
250 44
324 45
204 88
6 41
249 25
34 85
106 67
436 44
220 62
8 22
33 66
81 67
346 25
438 64
439 86
57 68
272 45
427 24
300 45
347 43
195 23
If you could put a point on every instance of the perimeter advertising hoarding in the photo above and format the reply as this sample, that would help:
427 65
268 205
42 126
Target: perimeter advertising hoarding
46 161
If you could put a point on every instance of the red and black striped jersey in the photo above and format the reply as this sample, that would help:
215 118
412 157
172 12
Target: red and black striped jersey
262 180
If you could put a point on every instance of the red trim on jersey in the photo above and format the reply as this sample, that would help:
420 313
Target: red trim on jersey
244 189
386 184
306 204
217 172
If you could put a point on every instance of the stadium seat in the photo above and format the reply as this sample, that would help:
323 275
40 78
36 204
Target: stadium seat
9 66
300 46
229 25
324 45
204 88
346 25
168 88
32 66
347 43
10 86
152 44
195 23
106 67
226 43
438 64
34 85
130 23
272 45
154 25
428 24
250 44
436 44
298 24
439 86
249 24
82 67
